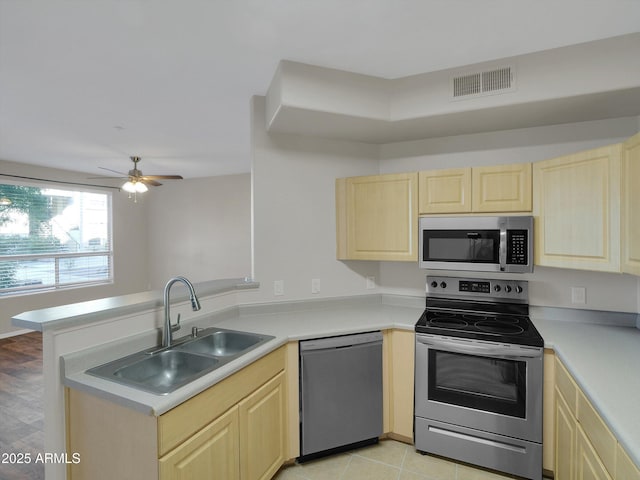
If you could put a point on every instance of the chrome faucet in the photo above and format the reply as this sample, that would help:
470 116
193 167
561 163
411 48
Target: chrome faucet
167 334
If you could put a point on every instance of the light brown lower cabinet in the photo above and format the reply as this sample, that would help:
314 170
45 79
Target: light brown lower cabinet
234 430
211 453
262 427
585 448
246 442
566 432
399 353
589 466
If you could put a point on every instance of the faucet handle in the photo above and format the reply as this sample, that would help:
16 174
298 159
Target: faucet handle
176 326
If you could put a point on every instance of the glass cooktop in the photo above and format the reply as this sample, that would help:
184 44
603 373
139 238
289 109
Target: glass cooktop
496 328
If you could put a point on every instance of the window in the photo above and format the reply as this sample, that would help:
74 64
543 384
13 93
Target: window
52 238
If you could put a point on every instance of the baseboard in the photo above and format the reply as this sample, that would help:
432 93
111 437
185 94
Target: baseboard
15 333
399 438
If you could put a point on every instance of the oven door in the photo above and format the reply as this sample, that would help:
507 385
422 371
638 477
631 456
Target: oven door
481 385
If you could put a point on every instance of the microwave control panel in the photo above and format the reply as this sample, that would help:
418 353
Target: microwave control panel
517 247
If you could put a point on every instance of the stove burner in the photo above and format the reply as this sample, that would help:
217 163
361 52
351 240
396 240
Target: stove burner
447 322
499 327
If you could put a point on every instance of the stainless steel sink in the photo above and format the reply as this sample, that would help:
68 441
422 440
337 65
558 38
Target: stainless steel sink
166 371
162 371
223 343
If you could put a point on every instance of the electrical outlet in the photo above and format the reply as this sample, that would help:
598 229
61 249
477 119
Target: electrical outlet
278 287
578 295
371 283
315 285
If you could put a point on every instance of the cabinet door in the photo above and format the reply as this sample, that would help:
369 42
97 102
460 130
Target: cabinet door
625 468
400 364
589 466
211 453
262 427
577 210
630 205
502 188
445 191
565 440
377 217
548 411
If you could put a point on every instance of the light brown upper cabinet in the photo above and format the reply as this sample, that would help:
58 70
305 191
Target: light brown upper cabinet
445 191
502 188
630 206
495 189
577 210
377 217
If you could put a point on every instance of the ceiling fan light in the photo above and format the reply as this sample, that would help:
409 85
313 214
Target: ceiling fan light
129 187
140 187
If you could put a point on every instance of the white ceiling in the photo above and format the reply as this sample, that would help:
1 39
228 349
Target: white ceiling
85 84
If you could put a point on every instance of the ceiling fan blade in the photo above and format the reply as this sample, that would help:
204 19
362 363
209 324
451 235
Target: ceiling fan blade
103 177
114 171
162 177
148 181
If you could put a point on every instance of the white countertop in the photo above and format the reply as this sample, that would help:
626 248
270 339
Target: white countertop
286 323
603 359
103 308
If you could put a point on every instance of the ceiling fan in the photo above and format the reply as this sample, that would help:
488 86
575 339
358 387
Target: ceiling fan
137 182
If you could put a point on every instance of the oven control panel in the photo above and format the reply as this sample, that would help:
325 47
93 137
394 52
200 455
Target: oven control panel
474 286
489 289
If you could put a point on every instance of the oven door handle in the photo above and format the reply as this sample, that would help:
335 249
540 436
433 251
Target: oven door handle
486 350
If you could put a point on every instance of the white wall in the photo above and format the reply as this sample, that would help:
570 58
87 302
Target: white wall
507 146
548 286
129 239
294 202
294 211
199 228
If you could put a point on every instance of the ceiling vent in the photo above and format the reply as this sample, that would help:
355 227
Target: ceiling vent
488 82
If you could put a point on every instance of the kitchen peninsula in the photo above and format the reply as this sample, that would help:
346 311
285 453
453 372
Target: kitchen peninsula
591 345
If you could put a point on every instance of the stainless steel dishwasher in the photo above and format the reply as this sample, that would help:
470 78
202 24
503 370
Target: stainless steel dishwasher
340 393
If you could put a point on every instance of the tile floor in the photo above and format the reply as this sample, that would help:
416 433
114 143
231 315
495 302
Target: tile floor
388 460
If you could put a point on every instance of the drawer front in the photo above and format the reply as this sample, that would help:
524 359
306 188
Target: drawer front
567 386
598 433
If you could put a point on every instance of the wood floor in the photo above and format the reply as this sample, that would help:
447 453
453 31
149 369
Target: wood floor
21 406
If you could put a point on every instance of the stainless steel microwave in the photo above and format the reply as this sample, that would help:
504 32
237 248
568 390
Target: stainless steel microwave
479 244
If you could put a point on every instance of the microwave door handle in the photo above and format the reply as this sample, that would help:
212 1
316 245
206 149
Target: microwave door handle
503 248
481 349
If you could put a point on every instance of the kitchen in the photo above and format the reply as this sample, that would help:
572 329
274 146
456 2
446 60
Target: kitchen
281 226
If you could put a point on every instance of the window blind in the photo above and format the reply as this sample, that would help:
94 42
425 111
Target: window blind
53 238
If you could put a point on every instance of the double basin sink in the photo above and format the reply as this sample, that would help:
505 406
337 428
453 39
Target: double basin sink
163 370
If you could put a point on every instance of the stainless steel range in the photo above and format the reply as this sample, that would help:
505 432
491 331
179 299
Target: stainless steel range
479 375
